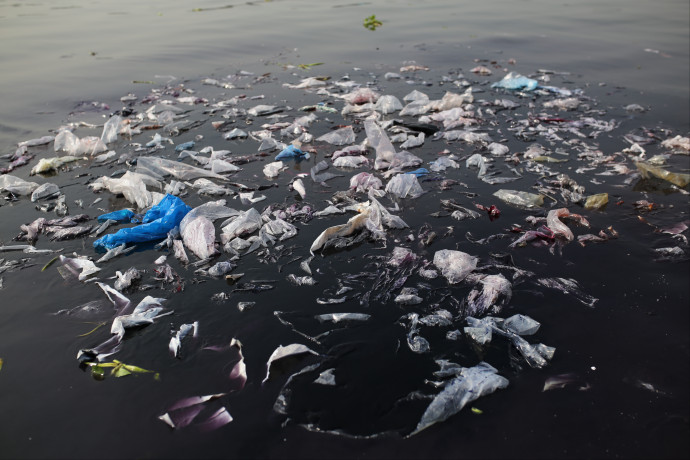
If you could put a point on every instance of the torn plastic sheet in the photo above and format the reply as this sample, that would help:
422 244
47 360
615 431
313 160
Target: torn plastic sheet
454 265
80 267
318 176
282 352
184 412
157 222
164 167
495 293
472 383
559 228
568 286
175 344
480 330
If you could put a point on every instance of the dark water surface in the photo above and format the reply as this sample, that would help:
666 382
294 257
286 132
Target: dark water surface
629 353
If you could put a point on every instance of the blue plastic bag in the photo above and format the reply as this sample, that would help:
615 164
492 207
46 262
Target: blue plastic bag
421 172
184 146
123 215
157 222
516 81
290 152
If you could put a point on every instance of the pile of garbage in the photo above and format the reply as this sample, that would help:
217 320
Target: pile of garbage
216 182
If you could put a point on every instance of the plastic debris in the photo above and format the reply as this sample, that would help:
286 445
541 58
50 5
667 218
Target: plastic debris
514 80
157 222
519 198
598 201
677 179
454 265
472 383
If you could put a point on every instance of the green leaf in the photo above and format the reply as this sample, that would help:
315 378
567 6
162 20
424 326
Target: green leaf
97 372
372 23
93 330
120 371
477 411
50 263
309 66
1 363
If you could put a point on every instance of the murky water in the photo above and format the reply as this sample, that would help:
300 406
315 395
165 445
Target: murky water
630 352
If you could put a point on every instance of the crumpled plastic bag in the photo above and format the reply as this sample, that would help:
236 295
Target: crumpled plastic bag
514 80
388 104
378 139
16 185
71 144
342 136
363 182
677 179
597 201
132 185
47 190
404 186
273 169
244 224
442 163
351 162
50 164
454 265
519 198
157 222
291 152
111 129
199 236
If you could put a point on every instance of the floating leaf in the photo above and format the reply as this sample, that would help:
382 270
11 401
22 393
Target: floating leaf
50 263
119 369
477 411
103 323
309 66
1 363
372 23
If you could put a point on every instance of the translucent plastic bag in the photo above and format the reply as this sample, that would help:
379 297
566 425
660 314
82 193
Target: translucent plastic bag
454 265
404 186
199 236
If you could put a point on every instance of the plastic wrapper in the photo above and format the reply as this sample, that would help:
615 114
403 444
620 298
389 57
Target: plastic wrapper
514 80
50 164
472 383
677 179
47 190
597 201
519 198
454 265
16 185
404 186
158 221
164 167
199 236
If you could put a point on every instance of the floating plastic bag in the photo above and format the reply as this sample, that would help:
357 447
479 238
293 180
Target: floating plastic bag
158 221
291 152
16 185
123 215
165 167
47 190
454 265
342 136
677 179
514 80
244 224
50 164
364 181
199 235
519 198
131 185
378 139
597 201
404 186
388 104
111 129
351 162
